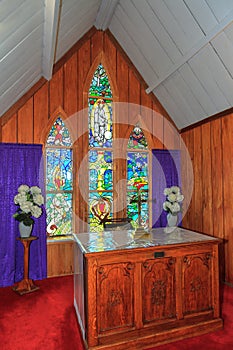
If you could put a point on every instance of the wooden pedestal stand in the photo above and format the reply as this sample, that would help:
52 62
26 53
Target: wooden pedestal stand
26 285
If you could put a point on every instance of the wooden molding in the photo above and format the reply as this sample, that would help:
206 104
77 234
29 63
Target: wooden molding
207 120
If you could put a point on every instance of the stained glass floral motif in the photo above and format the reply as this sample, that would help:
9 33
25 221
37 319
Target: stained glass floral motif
59 134
59 180
59 213
137 139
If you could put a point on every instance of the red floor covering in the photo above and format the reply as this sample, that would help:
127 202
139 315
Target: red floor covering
46 320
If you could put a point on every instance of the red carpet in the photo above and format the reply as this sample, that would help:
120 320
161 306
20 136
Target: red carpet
46 320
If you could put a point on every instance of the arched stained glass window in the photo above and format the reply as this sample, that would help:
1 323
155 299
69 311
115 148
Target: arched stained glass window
59 180
137 178
100 148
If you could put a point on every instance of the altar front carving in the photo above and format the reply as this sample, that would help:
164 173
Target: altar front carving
145 291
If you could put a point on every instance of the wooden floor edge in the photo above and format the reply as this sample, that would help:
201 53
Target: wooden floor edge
164 337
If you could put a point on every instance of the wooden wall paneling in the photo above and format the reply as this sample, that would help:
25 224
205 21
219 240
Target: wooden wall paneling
134 98
157 127
171 137
96 44
25 122
9 130
197 190
227 153
207 183
56 91
60 258
187 207
110 53
84 64
217 174
70 86
40 112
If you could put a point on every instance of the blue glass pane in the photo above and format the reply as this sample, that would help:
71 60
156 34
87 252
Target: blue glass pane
58 169
137 168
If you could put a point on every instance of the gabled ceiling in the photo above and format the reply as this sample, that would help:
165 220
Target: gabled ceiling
182 48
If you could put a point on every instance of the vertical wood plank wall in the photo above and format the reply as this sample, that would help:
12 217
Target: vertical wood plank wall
211 209
28 119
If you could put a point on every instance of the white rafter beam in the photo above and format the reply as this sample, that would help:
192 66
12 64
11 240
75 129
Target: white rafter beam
51 24
194 50
105 13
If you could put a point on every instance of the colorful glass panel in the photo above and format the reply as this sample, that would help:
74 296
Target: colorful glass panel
100 86
99 209
100 170
137 139
100 123
59 169
59 213
59 134
137 168
132 208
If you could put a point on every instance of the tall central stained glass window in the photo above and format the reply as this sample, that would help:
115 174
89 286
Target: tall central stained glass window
59 180
100 149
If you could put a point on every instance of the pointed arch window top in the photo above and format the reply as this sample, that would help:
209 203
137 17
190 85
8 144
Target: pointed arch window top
137 139
100 85
59 134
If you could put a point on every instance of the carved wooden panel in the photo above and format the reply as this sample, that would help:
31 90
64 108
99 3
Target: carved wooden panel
197 291
158 289
115 301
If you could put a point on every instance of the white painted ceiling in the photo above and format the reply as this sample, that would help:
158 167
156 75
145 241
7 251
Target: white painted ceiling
182 48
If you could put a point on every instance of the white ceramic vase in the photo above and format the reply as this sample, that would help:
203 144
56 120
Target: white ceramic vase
172 220
25 231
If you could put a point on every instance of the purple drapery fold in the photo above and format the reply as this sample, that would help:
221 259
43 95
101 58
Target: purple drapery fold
165 173
20 164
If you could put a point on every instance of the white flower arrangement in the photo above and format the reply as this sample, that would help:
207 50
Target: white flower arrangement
29 200
173 200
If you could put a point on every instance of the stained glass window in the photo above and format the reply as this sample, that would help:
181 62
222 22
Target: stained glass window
100 146
137 178
59 180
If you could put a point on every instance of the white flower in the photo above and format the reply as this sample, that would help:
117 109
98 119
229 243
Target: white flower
174 197
20 198
38 199
26 207
35 190
36 211
23 189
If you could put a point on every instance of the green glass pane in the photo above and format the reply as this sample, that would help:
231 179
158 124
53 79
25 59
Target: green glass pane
100 170
137 139
100 86
59 134
98 209
59 213
58 169
100 123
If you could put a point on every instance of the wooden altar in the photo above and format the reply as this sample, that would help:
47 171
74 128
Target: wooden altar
138 292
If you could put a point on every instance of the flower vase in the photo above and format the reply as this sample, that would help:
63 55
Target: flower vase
25 231
172 220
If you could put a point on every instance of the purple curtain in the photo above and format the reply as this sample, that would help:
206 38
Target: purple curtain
20 164
165 173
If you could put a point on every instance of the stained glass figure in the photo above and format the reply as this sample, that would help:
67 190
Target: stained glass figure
59 180
137 139
59 134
